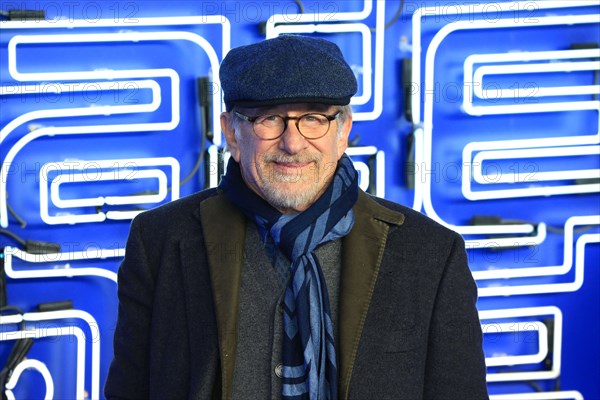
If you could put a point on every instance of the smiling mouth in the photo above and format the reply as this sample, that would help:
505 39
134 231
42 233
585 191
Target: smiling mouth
293 170
291 165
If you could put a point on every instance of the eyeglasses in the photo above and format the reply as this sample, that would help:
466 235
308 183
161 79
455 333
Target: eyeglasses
271 127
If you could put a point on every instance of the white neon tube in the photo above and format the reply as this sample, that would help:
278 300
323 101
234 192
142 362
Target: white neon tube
506 360
484 229
502 272
122 215
425 158
518 241
547 55
558 395
50 332
127 36
469 9
556 349
364 174
213 173
552 146
531 108
40 367
497 93
418 193
155 21
94 328
533 191
114 37
361 151
474 82
568 66
326 16
514 290
111 23
530 93
157 174
380 178
91 129
64 257
87 111
534 176
119 169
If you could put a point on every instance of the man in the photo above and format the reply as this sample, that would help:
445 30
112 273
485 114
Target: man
287 281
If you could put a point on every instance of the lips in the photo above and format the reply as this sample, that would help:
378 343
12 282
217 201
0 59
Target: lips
292 165
290 168
292 171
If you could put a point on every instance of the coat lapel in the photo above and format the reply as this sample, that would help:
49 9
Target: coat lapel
224 230
362 252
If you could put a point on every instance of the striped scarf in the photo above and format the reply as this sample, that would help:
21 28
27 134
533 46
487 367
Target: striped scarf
309 362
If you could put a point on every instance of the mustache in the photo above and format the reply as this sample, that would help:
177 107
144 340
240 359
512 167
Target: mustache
291 158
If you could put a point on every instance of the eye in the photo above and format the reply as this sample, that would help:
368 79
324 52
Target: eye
314 119
270 118
270 121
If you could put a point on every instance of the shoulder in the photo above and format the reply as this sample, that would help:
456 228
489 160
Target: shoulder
182 206
176 217
415 222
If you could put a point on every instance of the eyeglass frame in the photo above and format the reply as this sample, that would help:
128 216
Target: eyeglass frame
286 119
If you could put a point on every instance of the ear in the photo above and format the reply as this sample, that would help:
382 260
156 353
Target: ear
342 143
229 132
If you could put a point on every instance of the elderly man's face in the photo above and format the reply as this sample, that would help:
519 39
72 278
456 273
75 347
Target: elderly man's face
289 172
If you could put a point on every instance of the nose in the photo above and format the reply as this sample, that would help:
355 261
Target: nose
292 141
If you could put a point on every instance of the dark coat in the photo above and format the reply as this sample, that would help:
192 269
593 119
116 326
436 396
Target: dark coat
408 326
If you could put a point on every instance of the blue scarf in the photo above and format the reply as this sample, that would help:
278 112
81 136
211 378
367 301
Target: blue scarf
309 362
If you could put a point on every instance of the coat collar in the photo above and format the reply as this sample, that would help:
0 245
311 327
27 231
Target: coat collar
362 252
224 229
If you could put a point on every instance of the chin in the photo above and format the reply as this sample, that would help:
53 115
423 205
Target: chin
290 196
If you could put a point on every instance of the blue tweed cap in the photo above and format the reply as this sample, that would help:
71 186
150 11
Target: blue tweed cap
286 69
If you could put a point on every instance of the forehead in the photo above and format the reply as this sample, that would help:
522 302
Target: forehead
300 108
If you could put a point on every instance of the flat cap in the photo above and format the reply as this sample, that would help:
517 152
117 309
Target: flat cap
286 69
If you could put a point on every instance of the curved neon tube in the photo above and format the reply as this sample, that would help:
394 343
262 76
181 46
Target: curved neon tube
425 157
556 349
30 364
67 271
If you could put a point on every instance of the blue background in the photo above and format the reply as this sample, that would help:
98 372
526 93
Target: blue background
390 131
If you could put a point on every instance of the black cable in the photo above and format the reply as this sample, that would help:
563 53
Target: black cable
394 19
196 167
576 231
33 246
11 308
596 81
205 99
14 236
300 6
17 354
23 15
535 386
16 216
16 310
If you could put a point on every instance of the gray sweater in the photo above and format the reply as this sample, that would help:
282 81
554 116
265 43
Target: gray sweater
260 317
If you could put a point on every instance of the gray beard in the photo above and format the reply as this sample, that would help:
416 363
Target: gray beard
284 200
